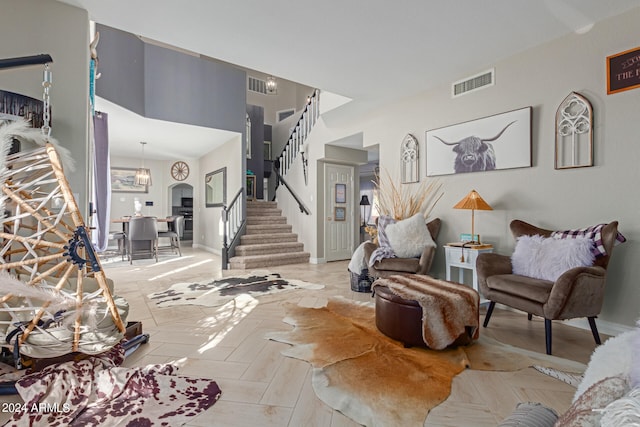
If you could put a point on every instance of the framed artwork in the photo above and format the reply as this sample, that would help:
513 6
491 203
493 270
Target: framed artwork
341 193
123 181
623 71
339 213
502 141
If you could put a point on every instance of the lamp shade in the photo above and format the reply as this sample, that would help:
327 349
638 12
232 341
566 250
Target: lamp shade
365 201
473 201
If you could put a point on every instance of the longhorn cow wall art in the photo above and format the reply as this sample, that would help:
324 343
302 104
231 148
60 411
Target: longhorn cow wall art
502 141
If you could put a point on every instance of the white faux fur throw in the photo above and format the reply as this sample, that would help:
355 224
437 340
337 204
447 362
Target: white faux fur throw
447 307
28 136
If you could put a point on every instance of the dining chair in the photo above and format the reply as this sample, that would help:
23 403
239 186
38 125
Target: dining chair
143 236
175 227
121 238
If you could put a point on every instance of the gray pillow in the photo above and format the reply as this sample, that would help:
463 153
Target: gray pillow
530 414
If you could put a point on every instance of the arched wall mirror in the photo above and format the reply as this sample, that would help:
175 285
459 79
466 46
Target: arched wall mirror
215 188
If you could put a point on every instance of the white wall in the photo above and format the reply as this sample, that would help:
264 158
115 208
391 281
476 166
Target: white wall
562 199
42 26
208 232
159 192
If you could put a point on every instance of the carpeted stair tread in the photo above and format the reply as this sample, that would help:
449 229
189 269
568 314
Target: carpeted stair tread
257 220
269 248
254 261
253 239
268 229
262 205
263 212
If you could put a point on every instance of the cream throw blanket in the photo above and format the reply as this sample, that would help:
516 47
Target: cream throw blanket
447 307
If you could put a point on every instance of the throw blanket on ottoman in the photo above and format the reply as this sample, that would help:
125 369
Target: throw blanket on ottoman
447 308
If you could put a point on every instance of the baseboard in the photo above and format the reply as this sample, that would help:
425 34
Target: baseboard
208 249
317 261
604 327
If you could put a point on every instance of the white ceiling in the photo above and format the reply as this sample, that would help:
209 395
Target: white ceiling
372 51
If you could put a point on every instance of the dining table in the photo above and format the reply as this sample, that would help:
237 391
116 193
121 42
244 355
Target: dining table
125 227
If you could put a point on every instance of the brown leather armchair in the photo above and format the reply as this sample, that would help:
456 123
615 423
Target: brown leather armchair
579 292
390 266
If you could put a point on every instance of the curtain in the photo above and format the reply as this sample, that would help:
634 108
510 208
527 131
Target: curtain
102 182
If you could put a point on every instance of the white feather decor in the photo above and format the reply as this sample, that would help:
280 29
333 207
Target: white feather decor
23 132
57 300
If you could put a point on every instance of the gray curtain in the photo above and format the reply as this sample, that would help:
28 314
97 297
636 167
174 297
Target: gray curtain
102 182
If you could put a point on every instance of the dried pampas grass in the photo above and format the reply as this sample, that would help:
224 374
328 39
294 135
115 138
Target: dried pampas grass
406 200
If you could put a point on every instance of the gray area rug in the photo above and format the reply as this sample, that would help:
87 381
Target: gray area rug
215 292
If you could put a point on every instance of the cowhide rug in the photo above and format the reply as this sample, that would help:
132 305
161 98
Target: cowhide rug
216 292
98 392
373 379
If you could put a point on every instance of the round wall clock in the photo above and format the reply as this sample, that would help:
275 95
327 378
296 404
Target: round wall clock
180 171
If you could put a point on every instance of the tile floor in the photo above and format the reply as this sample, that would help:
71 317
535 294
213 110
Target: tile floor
263 388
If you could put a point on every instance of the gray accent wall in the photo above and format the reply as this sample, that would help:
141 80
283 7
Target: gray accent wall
165 84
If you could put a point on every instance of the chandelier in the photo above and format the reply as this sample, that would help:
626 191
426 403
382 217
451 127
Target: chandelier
143 175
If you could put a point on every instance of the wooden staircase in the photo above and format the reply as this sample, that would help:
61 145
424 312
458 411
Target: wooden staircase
268 240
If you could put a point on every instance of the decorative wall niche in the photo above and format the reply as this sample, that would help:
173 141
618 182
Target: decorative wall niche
409 158
574 133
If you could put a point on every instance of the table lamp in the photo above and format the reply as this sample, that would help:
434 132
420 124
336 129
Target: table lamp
474 202
364 202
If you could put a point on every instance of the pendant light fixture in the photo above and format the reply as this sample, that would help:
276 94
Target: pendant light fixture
143 175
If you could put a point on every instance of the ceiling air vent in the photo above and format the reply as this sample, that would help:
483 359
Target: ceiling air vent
257 85
470 84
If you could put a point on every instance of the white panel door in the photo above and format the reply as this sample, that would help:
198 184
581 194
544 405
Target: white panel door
339 212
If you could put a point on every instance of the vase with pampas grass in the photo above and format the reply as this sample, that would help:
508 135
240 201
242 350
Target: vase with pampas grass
406 200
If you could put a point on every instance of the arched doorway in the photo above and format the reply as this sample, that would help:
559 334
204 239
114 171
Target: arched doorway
181 198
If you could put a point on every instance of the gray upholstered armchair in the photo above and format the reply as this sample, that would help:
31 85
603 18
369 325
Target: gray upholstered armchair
390 266
579 292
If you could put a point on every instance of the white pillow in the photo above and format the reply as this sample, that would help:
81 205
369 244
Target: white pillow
547 258
409 237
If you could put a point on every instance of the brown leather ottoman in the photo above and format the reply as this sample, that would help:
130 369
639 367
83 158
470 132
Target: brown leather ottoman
402 319
399 318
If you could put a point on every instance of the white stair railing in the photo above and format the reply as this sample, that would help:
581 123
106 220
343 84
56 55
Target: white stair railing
300 132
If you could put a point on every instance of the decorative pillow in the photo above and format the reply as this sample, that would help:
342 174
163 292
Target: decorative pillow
410 236
529 414
547 258
594 233
584 412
